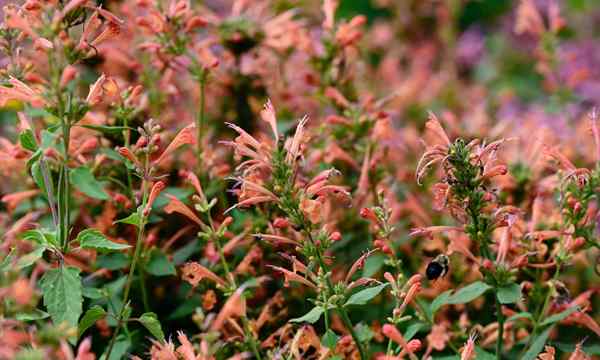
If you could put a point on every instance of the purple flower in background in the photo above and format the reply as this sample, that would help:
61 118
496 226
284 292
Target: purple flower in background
470 47
579 68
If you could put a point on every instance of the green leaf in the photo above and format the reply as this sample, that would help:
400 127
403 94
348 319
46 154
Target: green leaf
468 293
329 340
462 296
106 129
537 345
133 219
29 259
62 294
412 330
112 261
363 332
509 294
150 322
310 317
32 316
90 317
560 316
373 264
162 200
41 237
119 350
92 293
440 300
83 179
159 264
483 355
363 296
8 259
27 140
521 315
94 239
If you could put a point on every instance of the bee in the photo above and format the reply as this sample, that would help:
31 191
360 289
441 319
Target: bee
438 267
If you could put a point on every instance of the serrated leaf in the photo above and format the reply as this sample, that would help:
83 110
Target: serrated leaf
30 258
329 340
537 345
32 316
27 140
310 317
62 294
41 237
509 294
84 181
94 239
363 296
150 322
90 317
560 316
159 265
133 219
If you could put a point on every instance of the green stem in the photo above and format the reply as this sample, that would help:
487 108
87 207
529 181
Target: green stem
540 315
340 308
500 339
127 138
145 301
136 256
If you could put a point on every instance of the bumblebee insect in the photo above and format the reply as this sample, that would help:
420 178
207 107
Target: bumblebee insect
438 267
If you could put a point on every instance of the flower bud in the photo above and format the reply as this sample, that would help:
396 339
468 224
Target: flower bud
281 223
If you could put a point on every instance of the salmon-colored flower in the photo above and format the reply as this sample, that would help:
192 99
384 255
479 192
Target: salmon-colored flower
234 307
154 192
193 273
22 92
184 137
176 206
292 276
13 200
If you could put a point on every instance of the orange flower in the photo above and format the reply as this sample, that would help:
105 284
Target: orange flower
13 200
20 91
185 136
154 192
234 307
193 273
175 205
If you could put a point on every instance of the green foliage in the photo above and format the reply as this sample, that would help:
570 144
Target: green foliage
94 239
61 288
84 181
150 322
363 296
310 317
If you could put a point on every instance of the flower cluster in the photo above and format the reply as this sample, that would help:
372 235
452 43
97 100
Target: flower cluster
271 179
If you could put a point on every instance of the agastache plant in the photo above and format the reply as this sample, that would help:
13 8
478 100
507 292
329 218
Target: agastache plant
262 179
